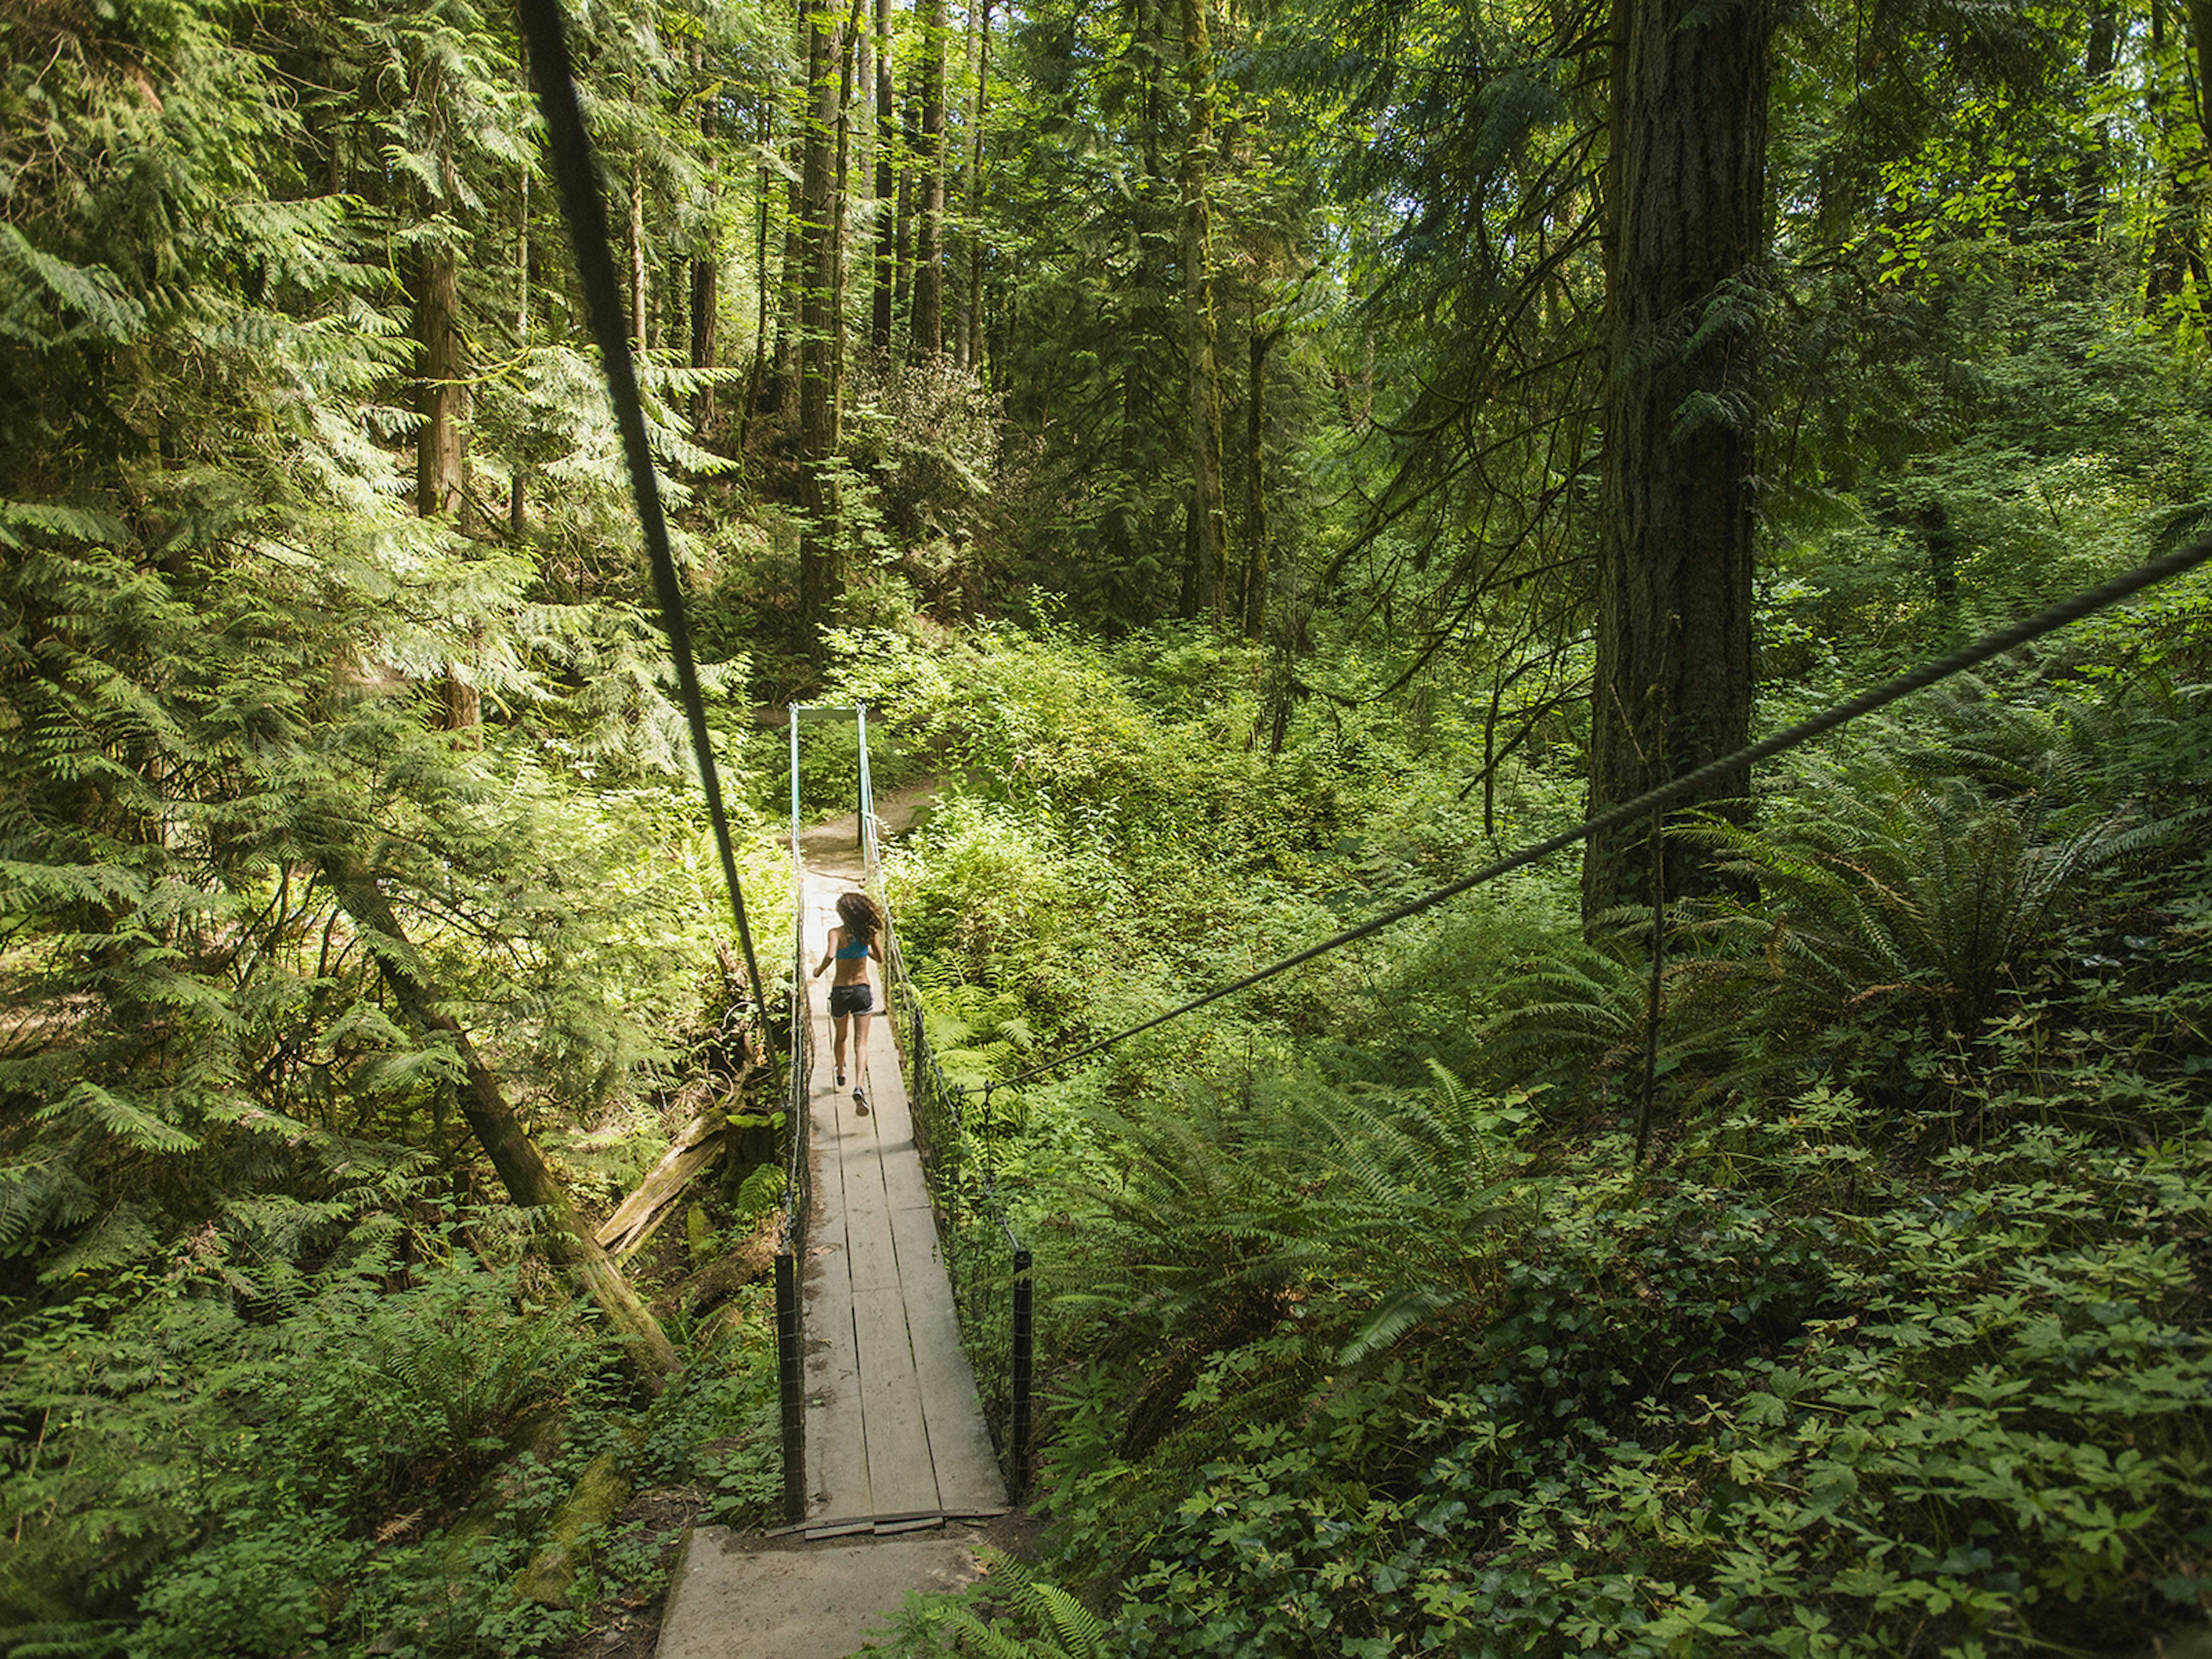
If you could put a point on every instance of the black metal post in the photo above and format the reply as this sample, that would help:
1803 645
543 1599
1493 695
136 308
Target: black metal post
1018 1477
790 1378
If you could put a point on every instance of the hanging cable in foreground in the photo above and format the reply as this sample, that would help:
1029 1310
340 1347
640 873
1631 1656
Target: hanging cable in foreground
2086 603
569 148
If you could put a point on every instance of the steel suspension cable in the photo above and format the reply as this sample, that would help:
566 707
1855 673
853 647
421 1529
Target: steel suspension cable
1671 793
569 148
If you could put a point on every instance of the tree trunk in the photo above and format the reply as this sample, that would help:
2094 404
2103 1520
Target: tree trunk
706 280
1133 535
818 403
757 369
2200 58
928 327
840 202
1685 231
2092 175
637 287
886 261
910 192
518 497
1255 480
1209 520
441 446
974 355
2200 50
529 1180
442 442
2174 227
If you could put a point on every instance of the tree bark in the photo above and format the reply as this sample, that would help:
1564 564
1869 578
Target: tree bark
928 332
441 442
910 192
2091 176
886 259
973 356
2200 48
1685 232
1255 481
817 401
757 369
2173 228
517 498
1209 519
2200 58
529 1180
638 292
853 35
441 446
706 280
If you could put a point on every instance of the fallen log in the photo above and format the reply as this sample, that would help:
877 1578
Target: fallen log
714 1133
528 1179
600 1491
639 1215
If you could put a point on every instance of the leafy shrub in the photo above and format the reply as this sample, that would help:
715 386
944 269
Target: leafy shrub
1959 1415
237 1457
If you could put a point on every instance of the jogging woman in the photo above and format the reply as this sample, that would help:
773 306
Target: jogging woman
850 998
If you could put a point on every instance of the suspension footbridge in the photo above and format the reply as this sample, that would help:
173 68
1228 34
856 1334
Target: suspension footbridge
898 1286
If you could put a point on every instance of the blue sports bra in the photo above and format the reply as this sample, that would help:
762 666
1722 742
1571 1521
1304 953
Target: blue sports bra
854 948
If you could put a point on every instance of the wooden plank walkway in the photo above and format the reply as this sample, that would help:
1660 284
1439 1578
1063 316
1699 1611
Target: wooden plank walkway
895 1432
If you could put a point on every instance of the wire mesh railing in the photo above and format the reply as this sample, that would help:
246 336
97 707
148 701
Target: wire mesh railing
798 1190
991 1272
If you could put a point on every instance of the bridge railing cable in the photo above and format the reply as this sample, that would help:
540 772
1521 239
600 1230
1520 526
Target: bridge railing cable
1690 786
991 1271
568 148
798 1190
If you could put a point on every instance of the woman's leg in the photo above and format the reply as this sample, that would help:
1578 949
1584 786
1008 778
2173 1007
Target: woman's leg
860 1043
837 1024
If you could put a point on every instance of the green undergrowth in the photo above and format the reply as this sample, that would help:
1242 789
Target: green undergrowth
357 1458
1369 1333
1774 1397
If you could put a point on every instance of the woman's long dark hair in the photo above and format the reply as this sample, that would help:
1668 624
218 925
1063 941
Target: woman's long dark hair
858 912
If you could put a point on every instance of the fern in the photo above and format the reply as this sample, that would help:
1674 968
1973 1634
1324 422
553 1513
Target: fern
92 301
1250 1249
1929 891
1039 1620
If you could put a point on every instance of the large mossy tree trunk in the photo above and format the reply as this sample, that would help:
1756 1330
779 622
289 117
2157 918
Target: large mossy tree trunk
1685 194
529 1180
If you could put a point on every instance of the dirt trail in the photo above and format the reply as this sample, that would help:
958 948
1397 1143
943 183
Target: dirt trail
834 847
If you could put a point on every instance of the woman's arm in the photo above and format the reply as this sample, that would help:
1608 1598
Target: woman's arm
829 950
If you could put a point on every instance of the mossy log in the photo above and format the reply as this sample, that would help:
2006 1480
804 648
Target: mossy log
539 1435
601 1492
